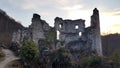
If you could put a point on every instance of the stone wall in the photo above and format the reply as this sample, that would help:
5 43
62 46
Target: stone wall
73 34
69 29
75 37
38 27
95 29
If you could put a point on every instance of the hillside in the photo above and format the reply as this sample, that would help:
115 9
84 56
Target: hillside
110 43
7 26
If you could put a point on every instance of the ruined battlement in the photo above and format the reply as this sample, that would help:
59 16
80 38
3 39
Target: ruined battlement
77 37
69 26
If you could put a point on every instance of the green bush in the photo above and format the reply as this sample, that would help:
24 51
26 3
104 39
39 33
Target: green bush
91 62
115 57
51 38
28 51
51 35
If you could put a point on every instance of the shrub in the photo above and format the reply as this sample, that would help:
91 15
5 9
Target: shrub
115 57
91 62
1 53
28 51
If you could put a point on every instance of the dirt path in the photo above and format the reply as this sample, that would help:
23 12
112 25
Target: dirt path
9 56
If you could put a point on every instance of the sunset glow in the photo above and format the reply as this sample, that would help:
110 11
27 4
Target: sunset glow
22 10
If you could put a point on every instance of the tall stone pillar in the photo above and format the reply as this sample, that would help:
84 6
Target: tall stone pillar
37 28
96 37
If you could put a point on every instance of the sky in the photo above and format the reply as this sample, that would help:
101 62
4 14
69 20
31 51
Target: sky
22 11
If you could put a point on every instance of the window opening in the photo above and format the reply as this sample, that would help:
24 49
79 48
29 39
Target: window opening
76 26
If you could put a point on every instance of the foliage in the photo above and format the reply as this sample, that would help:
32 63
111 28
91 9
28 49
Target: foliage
15 64
43 42
29 50
115 57
1 53
63 55
51 35
91 61
63 51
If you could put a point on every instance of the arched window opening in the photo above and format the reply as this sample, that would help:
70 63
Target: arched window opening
60 26
80 34
76 26
58 34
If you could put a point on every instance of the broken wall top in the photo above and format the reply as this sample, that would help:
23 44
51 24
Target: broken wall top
38 23
69 26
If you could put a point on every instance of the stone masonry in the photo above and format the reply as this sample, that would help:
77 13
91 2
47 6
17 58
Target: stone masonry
73 34
76 37
38 27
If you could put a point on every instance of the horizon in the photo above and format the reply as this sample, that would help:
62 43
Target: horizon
23 10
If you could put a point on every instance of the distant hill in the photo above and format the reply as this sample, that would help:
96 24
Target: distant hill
110 43
7 26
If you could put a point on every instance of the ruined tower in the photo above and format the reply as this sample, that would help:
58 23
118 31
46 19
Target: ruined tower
76 37
70 30
95 30
38 27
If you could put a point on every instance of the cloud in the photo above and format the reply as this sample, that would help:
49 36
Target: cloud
113 13
116 13
49 9
110 23
116 25
115 28
74 7
36 4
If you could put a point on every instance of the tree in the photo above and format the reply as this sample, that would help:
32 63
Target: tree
51 37
115 57
91 62
28 51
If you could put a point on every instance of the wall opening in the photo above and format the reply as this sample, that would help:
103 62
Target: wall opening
60 26
80 34
58 35
76 26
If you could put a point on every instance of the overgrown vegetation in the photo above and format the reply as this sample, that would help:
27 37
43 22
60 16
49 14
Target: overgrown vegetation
51 37
61 58
113 61
115 57
29 51
91 62
15 64
1 54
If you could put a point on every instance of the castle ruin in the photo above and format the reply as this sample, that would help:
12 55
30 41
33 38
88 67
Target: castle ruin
74 36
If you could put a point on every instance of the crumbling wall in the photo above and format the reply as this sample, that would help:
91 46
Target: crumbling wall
73 37
95 32
21 35
38 27
69 29
77 38
73 34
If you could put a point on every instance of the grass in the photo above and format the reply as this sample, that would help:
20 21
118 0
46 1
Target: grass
2 55
15 64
